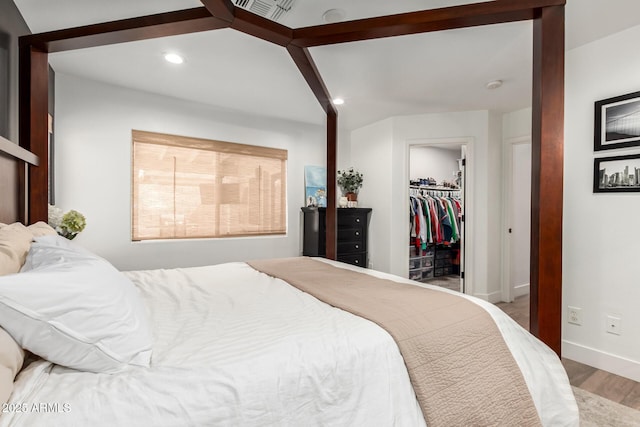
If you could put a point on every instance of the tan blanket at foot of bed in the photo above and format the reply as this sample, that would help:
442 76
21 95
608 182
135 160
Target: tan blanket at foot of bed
461 370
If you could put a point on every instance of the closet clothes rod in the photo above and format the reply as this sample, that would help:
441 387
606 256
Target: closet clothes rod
425 187
415 190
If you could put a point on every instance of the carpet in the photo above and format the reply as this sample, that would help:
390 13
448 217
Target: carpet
596 411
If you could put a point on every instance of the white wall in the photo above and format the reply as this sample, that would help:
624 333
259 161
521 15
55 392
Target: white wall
383 149
490 197
601 272
433 162
517 124
371 154
93 169
343 150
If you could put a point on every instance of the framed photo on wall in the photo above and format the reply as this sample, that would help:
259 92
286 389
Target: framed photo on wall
315 178
616 174
617 122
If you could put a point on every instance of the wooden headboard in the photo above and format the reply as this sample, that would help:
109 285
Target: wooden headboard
14 161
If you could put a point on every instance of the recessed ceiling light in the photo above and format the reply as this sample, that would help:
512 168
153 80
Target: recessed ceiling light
333 15
494 84
174 58
338 101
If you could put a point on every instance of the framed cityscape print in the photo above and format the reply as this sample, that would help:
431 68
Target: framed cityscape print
617 122
616 174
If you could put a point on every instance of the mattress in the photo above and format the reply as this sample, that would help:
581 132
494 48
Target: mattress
234 347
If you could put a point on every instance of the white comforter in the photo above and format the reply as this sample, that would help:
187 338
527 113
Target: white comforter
233 347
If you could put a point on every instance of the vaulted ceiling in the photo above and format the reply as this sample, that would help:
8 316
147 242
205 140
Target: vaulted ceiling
431 72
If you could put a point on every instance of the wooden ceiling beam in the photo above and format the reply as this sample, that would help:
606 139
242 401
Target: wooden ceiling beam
469 15
126 30
263 28
307 67
222 9
249 23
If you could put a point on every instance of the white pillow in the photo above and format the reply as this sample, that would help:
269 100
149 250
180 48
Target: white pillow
11 360
41 228
15 240
75 309
55 249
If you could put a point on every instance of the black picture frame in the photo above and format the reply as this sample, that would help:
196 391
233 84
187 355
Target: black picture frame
613 126
619 179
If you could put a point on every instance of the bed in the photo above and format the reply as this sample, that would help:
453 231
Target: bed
547 17
230 345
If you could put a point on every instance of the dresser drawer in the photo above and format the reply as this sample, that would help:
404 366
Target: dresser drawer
349 218
350 234
350 247
354 259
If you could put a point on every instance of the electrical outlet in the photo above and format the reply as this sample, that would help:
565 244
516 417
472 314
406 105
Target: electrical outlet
574 315
614 325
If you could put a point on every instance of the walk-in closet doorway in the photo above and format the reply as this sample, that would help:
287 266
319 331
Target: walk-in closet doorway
439 210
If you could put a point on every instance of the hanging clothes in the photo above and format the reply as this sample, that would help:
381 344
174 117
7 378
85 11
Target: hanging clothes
435 218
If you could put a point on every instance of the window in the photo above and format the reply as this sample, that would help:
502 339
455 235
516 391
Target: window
190 188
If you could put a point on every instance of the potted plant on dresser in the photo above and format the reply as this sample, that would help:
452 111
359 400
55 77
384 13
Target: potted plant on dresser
350 182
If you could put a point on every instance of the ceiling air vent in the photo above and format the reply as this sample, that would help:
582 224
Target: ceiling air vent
270 9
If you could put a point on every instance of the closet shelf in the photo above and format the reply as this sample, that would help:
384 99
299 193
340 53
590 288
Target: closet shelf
433 187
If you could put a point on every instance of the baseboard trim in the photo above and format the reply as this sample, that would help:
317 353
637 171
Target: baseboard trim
521 290
493 297
602 360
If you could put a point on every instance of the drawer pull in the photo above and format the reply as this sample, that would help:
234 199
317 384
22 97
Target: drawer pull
357 233
357 261
357 219
357 246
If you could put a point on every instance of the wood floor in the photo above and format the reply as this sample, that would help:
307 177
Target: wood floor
451 282
610 386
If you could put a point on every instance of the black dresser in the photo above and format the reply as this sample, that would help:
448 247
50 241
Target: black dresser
353 226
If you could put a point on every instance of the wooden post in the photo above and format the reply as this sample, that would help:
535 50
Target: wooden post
547 175
332 214
34 129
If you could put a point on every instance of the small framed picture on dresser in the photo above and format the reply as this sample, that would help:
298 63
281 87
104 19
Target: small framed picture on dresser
617 122
616 174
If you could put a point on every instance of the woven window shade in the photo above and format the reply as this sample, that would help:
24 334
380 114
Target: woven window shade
195 188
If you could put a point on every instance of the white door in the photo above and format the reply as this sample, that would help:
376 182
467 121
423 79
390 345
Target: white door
520 219
463 176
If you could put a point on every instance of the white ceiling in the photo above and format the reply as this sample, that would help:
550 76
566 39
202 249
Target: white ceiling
434 72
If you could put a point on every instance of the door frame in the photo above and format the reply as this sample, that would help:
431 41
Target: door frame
507 290
468 202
